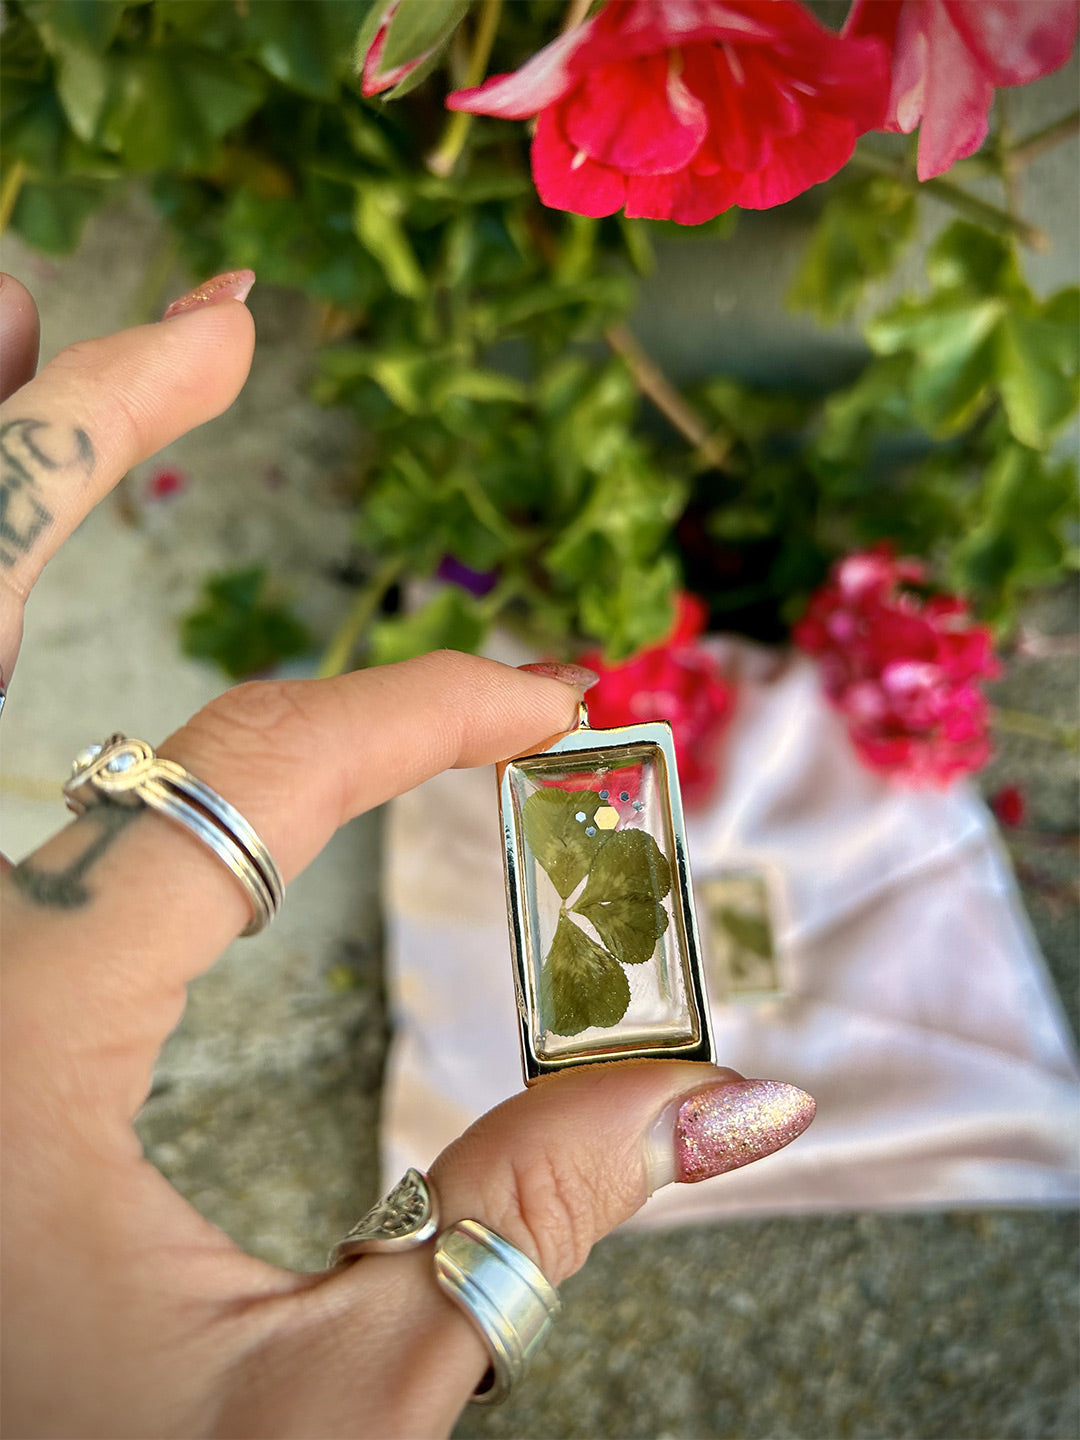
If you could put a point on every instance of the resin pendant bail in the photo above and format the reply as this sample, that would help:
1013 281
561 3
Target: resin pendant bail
602 924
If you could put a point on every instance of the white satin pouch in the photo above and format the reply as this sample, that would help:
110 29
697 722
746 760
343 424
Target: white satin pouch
916 1006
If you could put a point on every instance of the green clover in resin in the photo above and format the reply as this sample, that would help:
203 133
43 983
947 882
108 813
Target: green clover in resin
558 839
626 880
580 984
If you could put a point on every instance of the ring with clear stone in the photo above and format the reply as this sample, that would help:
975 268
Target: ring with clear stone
127 772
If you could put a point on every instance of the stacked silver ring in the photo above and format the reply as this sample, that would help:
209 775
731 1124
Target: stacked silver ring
501 1292
127 772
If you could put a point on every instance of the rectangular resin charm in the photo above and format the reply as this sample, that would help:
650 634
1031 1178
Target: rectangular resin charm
601 912
742 960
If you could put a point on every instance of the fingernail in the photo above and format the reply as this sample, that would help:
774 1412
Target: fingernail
723 1127
233 285
578 677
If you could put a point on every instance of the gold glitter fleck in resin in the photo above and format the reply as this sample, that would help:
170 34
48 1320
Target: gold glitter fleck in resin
725 1127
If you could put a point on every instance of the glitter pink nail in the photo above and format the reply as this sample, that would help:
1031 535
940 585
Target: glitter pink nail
233 285
724 1127
578 677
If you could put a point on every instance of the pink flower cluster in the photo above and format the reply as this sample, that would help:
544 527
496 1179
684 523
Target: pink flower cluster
678 109
677 680
903 667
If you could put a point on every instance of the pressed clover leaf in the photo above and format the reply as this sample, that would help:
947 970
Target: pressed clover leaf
628 880
580 984
749 931
558 839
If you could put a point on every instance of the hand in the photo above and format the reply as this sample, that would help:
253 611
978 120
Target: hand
125 1313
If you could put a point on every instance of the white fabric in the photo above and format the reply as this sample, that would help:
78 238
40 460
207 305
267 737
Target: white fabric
919 1011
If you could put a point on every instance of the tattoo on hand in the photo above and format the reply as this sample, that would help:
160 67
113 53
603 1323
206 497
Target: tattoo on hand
64 889
23 514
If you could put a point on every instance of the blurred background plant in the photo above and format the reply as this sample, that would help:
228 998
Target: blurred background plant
525 452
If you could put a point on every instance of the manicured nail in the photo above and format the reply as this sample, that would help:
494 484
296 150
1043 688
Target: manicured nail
233 285
723 1127
578 677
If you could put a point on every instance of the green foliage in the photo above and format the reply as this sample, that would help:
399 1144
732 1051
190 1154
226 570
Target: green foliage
981 335
1017 532
470 328
627 878
240 627
864 228
450 620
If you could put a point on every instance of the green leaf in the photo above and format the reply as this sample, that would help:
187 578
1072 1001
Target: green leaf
863 230
967 258
952 338
418 26
628 881
749 931
81 24
51 217
240 628
580 984
166 110
1037 372
377 220
630 608
84 84
449 621
474 383
875 406
557 838
304 43
1017 536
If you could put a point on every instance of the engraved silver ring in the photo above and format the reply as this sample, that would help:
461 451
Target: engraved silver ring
501 1292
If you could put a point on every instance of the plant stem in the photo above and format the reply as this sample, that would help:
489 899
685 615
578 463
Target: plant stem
9 191
361 612
1009 170
1040 140
444 157
714 446
992 216
1035 727
947 191
576 13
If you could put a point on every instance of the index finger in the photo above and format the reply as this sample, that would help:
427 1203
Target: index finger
99 407
108 921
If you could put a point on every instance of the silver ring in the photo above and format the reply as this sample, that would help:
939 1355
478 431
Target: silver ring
406 1218
120 771
509 1301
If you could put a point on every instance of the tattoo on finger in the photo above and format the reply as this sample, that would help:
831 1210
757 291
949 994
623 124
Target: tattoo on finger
29 449
64 889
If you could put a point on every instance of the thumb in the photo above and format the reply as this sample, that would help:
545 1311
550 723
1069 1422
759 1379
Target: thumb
555 1169
551 1170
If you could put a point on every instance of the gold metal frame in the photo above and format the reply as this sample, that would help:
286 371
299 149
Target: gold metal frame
657 735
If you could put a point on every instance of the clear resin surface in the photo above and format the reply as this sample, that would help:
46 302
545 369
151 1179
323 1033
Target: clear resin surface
599 882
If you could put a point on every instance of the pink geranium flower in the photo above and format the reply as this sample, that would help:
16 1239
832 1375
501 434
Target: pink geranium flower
902 667
373 78
677 680
949 55
678 109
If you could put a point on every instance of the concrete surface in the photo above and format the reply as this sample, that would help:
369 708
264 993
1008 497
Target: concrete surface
265 1102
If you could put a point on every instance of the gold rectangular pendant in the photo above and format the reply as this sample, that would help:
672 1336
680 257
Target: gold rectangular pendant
602 924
